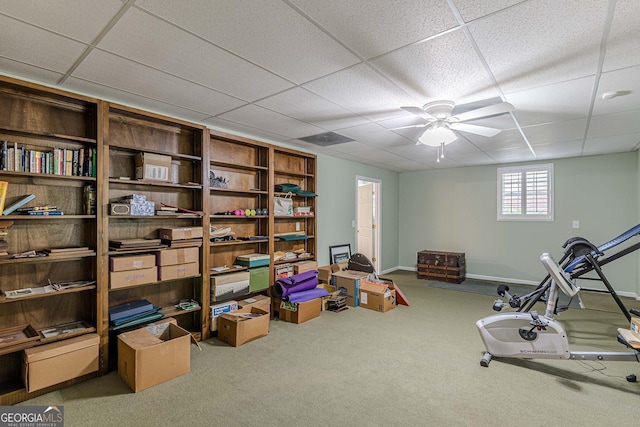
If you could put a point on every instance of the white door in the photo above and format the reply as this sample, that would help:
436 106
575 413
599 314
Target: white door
367 229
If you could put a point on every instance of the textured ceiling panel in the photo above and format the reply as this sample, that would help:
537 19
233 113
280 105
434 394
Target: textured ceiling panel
81 20
266 32
34 46
622 44
473 9
542 42
442 68
619 143
110 70
311 108
143 38
627 82
261 118
373 27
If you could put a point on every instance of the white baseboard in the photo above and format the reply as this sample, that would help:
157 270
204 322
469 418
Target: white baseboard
503 280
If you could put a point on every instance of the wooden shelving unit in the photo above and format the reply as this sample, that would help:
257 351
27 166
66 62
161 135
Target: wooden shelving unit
43 119
36 120
129 132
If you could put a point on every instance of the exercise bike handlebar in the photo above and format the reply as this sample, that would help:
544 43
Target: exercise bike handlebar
558 276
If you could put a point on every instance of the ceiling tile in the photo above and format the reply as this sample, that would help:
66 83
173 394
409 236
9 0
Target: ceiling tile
373 27
511 138
126 98
551 133
614 124
261 118
376 155
622 44
542 42
143 38
25 71
251 29
374 135
473 9
107 69
611 144
34 46
407 166
446 67
349 147
81 20
244 131
418 153
559 150
362 90
303 105
625 80
507 155
553 103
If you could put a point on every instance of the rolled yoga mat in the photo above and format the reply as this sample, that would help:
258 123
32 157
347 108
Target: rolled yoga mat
296 283
303 296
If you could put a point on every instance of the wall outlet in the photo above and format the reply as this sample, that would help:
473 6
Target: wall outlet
575 223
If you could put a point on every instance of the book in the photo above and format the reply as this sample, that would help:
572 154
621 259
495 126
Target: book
23 201
129 309
69 249
4 185
38 208
45 213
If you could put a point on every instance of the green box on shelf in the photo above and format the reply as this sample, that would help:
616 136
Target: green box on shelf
253 260
258 279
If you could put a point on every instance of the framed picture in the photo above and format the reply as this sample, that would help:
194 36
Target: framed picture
340 253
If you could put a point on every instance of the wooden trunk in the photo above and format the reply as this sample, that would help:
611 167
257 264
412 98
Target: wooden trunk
441 266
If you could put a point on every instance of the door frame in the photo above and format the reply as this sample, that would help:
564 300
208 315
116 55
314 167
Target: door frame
377 231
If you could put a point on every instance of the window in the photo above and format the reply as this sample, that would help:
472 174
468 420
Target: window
525 193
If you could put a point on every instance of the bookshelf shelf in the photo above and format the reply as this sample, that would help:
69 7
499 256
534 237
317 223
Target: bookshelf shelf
45 259
5 300
159 282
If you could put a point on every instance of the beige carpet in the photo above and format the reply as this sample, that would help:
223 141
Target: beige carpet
412 366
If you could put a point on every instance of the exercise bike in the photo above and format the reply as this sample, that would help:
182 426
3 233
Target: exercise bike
529 335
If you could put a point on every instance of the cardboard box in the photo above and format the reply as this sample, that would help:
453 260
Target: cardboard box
123 279
283 270
258 301
349 282
131 262
325 272
180 233
299 312
333 293
242 326
377 297
218 309
170 272
301 267
253 260
153 167
177 256
51 364
258 279
154 354
229 286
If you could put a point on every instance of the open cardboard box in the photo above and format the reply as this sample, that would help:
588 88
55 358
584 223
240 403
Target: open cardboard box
243 325
153 354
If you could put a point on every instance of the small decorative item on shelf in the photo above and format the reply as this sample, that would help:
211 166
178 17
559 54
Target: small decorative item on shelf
217 181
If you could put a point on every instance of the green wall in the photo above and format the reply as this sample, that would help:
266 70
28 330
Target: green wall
456 210
337 207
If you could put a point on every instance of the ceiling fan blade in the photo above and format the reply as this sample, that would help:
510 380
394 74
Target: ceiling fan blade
419 112
478 130
491 110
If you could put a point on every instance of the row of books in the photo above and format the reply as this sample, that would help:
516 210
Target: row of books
58 161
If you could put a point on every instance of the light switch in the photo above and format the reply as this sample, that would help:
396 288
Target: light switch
575 223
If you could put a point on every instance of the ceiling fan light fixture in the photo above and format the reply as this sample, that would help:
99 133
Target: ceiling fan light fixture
436 136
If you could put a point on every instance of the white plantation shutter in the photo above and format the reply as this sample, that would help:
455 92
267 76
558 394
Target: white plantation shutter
525 193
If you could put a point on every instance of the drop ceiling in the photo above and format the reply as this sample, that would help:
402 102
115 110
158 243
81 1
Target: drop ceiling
282 70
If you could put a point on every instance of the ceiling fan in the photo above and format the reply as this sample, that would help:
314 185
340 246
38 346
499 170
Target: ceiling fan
440 123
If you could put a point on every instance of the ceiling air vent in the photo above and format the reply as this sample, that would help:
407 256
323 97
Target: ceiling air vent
326 139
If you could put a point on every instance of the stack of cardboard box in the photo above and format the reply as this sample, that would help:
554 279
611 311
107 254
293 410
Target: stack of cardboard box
132 270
